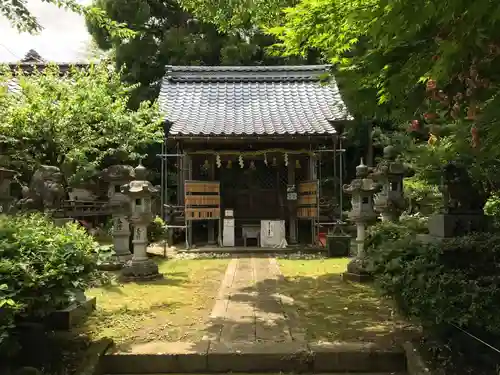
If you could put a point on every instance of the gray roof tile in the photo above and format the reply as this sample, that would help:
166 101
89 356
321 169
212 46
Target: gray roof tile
261 100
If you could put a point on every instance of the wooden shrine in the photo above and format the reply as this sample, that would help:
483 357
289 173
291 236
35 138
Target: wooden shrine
248 145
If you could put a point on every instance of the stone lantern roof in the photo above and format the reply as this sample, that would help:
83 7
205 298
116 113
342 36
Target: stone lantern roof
140 186
362 183
391 166
117 173
6 173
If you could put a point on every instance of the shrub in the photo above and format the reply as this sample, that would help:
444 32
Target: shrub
156 230
492 208
422 196
41 267
454 281
382 232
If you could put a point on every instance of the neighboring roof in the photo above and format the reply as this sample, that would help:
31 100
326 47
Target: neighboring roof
29 68
251 100
32 61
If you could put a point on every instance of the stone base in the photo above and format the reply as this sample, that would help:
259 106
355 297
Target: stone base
72 315
358 278
110 266
140 270
452 225
124 258
357 271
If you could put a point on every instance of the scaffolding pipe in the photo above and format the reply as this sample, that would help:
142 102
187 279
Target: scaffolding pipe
341 177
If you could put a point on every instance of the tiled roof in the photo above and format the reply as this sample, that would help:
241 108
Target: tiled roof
260 100
29 68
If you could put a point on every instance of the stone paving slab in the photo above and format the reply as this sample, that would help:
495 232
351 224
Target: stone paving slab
356 357
258 357
248 306
159 357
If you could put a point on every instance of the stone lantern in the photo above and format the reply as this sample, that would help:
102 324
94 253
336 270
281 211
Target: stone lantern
362 189
390 173
6 178
116 176
140 193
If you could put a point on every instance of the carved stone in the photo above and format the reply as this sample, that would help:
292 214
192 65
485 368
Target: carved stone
45 191
462 206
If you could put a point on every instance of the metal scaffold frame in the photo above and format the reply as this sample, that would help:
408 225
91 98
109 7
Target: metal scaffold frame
186 168
164 190
338 170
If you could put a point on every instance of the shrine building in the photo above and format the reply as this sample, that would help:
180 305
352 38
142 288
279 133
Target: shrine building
248 146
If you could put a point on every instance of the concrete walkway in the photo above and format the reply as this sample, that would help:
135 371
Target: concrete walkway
249 307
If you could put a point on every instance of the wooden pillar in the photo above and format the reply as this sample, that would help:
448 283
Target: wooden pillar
211 223
313 176
292 205
313 171
188 173
181 178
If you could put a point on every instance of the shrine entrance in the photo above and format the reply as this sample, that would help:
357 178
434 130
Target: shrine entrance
257 192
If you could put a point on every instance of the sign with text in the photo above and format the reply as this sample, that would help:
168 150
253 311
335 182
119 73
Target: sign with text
291 193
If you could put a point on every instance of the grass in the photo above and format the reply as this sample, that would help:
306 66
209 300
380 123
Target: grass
173 309
331 309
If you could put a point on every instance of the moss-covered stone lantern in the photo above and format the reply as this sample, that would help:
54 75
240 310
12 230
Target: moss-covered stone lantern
140 192
362 189
116 176
390 173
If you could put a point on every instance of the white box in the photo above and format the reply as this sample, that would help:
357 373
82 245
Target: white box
272 233
228 233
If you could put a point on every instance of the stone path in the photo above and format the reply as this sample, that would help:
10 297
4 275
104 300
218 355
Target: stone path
253 329
249 307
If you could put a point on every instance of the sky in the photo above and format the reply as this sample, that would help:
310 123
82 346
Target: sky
64 37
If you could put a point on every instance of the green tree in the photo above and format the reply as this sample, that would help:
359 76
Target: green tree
76 122
165 34
434 63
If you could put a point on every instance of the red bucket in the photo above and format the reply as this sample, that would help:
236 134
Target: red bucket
322 239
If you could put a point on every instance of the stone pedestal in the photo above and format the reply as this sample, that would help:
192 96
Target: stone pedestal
121 237
452 225
141 267
357 270
446 225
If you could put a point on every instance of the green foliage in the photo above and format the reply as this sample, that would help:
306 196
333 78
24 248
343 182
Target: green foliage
168 35
76 122
235 14
386 231
492 208
453 281
41 267
156 230
435 62
104 254
24 21
422 196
